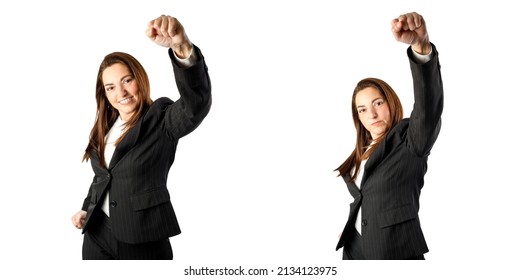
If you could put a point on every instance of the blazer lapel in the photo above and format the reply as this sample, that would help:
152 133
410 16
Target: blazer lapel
125 145
375 158
391 140
351 186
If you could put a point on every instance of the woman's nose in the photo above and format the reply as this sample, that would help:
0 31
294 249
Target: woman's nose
121 91
372 112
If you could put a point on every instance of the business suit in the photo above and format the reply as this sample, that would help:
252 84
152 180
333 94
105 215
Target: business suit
140 206
394 175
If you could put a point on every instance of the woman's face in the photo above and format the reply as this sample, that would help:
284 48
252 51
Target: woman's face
121 89
373 111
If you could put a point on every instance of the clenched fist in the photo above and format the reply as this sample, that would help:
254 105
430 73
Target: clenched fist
410 29
168 32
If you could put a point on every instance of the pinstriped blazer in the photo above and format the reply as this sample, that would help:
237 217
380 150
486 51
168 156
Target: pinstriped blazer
394 174
140 206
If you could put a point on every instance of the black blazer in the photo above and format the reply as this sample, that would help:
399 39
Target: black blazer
140 207
394 174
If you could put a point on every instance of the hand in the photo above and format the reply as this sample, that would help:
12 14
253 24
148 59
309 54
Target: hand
79 219
410 29
168 32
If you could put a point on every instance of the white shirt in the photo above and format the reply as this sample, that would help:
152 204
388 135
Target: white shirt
358 183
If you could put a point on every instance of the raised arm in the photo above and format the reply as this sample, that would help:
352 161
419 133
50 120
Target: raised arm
193 82
425 119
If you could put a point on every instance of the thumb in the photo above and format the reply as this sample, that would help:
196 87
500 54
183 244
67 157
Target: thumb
150 31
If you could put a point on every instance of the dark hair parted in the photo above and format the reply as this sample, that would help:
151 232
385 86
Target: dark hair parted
106 115
363 137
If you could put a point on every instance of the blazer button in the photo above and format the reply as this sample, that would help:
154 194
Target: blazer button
364 222
113 203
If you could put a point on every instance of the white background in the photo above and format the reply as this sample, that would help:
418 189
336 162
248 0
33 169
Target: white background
253 186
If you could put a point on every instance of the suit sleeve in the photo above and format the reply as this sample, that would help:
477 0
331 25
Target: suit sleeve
194 85
425 119
86 201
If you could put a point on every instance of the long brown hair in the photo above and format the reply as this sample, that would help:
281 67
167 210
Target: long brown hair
106 115
364 138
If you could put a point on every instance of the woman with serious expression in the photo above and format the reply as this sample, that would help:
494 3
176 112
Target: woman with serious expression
121 89
373 111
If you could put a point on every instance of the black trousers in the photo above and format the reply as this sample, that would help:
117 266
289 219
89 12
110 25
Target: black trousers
353 250
100 244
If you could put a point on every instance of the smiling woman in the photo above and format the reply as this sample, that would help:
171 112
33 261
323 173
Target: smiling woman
123 82
122 91
127 213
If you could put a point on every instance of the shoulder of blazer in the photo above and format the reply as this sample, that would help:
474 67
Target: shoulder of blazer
399 131
155 113
151 119
158 107
395 137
